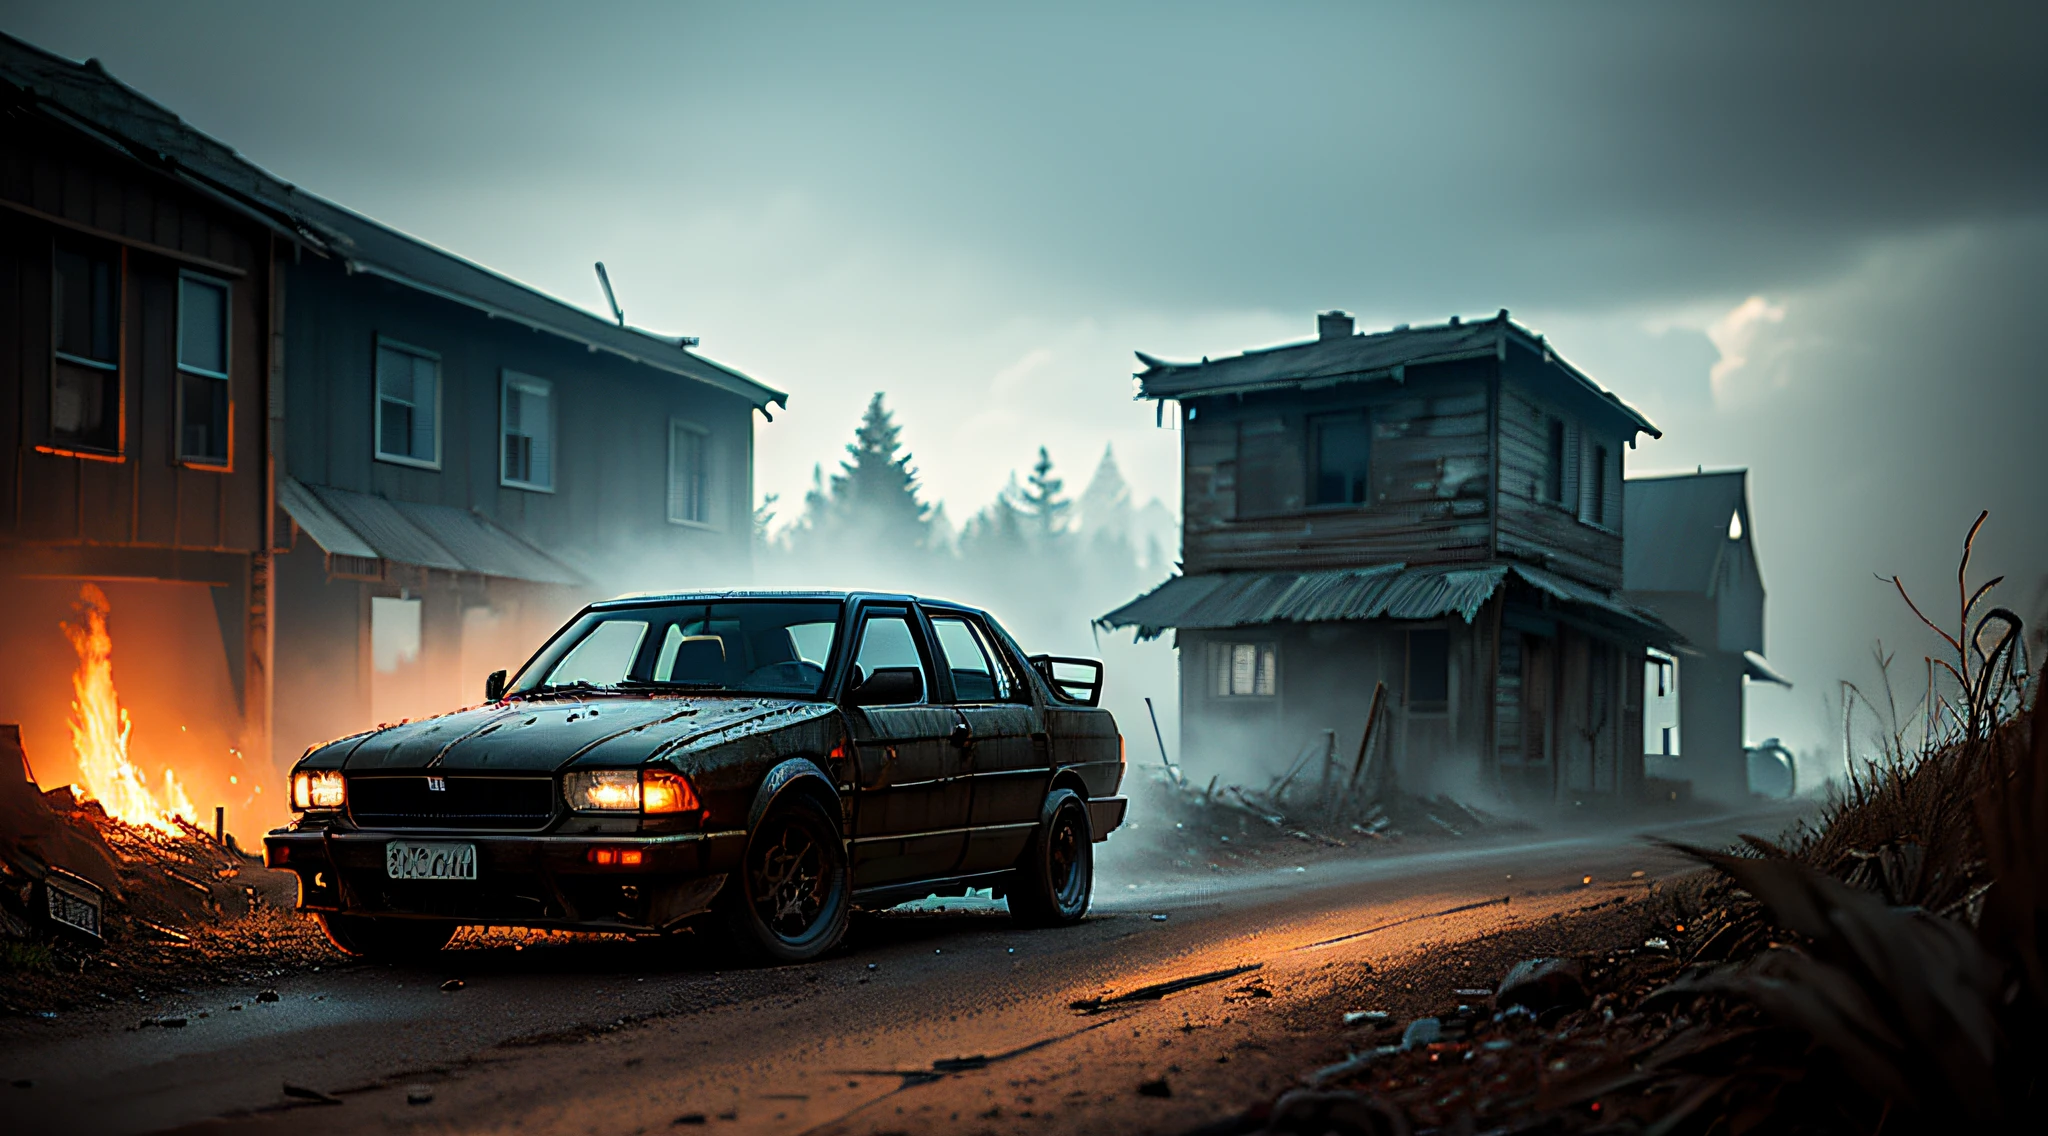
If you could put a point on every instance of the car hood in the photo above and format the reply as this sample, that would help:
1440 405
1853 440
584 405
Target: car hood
546 735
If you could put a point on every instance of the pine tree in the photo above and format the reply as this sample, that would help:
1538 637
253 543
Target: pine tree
1041 503
1106 503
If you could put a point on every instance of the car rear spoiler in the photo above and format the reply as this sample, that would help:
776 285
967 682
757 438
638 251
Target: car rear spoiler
1085 691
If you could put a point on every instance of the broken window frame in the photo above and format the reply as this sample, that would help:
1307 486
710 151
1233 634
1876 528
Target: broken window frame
193 376
108 369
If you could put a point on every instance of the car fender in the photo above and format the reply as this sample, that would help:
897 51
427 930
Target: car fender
785 776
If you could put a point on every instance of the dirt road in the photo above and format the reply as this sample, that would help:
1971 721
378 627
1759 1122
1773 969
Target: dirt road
930 1022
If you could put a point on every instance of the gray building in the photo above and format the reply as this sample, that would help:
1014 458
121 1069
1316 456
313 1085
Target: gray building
1691 559
1437 508
389 468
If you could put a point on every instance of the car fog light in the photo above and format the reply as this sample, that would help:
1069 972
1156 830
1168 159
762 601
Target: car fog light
615 857
318 789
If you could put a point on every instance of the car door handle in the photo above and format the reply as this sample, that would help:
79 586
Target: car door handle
962 735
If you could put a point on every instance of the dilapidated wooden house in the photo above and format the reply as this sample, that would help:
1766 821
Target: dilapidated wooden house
1436 508
1692 561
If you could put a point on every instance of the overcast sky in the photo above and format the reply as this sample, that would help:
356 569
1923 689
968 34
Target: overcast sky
1813 243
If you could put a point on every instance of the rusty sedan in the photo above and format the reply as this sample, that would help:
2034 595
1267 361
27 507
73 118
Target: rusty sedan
752 765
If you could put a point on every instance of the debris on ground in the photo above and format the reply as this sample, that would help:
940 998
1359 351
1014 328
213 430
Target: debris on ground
93 909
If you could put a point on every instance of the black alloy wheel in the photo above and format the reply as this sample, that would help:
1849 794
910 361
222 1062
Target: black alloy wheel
1056 878
789 902
391 940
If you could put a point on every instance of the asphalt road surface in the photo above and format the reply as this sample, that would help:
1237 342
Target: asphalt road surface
928 1022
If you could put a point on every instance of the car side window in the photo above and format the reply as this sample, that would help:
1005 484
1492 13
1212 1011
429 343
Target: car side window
977 677
886 643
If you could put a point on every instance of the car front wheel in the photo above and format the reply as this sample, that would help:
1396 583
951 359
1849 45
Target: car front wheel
387 939
790 900
1056 878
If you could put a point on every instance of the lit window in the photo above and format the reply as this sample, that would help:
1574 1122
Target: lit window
85 378
527 415
408 405
688 501
202 370
1243 670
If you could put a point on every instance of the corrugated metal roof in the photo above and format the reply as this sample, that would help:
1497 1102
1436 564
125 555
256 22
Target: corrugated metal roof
430 536
1387 591
326 529
1352 358
1677 528
85 96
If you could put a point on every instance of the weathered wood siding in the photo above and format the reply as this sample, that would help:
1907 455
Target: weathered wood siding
611 442
1579 534
1247 476
140 496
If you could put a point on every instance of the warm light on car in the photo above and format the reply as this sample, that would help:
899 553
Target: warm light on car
603 790
318 789
665 792
629 790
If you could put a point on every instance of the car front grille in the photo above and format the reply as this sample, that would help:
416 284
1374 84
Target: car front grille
505 804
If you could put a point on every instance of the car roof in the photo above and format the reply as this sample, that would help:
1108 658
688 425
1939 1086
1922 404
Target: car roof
646 599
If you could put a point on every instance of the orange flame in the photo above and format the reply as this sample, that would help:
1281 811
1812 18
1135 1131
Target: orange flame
99 730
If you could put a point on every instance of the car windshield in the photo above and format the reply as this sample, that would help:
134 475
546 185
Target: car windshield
742 646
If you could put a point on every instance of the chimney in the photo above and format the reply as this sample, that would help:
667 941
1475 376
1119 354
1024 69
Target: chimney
1333 324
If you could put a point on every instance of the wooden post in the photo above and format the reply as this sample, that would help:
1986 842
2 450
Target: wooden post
1161 739
220 824
1372 718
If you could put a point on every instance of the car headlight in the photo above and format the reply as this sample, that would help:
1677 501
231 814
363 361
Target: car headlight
318 789
628 790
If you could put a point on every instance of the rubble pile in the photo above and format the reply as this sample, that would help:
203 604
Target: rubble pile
94 909
1216 823
1868 975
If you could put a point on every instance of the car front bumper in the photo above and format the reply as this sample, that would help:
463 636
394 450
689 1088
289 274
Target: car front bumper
521 880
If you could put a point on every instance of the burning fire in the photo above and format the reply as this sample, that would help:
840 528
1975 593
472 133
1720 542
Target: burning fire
99 730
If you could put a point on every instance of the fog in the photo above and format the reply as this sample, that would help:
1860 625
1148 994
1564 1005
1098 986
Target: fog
1806 240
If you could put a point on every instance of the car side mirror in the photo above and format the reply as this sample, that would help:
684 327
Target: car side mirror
889 686
494 686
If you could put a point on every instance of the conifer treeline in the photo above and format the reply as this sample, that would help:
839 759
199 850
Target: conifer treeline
1065 558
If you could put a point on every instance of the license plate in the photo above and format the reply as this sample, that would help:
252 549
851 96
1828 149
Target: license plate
406 860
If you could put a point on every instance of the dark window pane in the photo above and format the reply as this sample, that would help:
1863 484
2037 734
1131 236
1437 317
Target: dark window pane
85 407
1599 485
1343 459
395 427
202 326
86 316
1429 669
203 430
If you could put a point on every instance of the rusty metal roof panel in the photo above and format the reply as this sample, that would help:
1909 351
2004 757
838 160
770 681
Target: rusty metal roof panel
379 523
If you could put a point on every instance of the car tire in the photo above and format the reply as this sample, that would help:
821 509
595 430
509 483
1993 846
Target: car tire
387 939
791 898
1055 880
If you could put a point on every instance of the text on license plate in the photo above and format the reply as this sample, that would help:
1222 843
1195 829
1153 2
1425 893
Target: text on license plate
407 860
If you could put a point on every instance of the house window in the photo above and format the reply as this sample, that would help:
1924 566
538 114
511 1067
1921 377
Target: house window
526 415
1243 670
202 370
408 405
1343 458
1554 462
1596 509
85 378
688 474
1429 670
